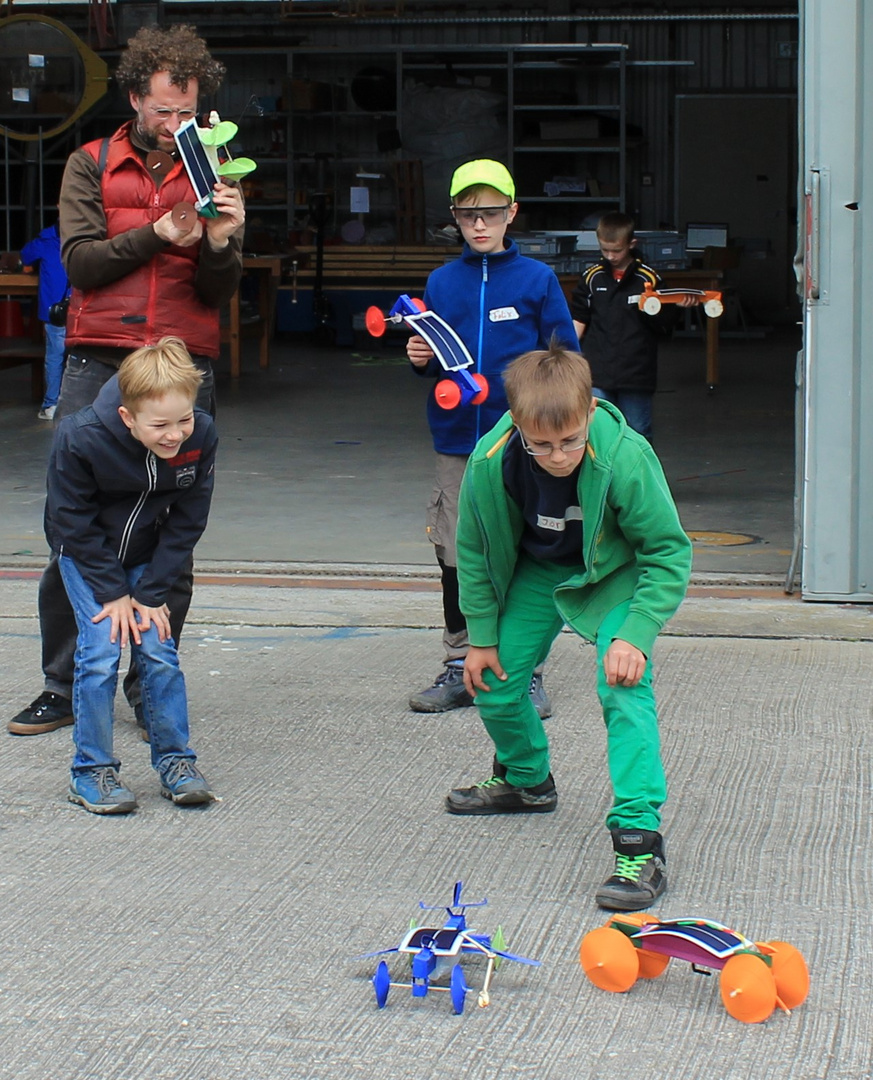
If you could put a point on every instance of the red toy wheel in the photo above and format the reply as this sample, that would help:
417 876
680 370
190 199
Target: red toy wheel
748 989
483 391
418 303
789 971
374 320
609 959
184 216
447 394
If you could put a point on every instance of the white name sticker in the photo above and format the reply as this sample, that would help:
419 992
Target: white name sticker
503 314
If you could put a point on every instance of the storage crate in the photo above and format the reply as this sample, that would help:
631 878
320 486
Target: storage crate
538 244
662 250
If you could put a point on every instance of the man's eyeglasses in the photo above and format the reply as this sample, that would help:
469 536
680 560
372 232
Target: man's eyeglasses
570 446
165 113
490 215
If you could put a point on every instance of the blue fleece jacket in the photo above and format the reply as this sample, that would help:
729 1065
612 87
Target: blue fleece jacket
501 305
45 250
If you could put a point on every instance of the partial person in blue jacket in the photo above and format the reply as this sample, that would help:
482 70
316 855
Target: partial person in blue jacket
502 304
44 252
129 489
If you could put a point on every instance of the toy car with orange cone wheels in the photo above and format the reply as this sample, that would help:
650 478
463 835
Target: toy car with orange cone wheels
462 387
651 299
756 977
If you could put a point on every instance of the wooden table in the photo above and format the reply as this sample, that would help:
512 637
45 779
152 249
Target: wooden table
268 269
24 350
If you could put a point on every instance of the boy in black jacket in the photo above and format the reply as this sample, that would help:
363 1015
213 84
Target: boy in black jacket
126 505
619 341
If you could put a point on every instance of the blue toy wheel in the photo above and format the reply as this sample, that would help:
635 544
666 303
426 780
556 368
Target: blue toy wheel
458 989
381 984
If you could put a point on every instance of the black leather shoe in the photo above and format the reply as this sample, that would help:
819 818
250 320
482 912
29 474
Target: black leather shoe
47 713
495 796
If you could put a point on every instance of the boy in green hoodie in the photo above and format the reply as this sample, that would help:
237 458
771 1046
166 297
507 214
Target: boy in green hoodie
566 518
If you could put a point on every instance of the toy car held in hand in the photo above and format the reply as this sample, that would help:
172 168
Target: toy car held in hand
651 299
462 387
756 977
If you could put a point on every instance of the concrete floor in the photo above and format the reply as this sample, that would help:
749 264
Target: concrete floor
222 944
326 458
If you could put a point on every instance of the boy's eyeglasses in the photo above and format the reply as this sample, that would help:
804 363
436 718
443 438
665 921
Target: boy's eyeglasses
571 446
490 215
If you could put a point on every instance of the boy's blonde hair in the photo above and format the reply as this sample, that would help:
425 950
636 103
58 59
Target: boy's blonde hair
548 388
615 228
155 370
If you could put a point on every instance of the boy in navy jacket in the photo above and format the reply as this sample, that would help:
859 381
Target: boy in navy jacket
129 487
501 304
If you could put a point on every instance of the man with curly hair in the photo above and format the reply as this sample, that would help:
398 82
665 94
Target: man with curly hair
137 277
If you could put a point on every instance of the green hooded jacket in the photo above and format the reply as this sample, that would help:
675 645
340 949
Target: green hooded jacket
633 545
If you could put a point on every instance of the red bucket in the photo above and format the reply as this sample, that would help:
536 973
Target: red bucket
11 319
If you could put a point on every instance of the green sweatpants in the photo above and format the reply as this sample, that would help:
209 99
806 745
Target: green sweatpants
526 630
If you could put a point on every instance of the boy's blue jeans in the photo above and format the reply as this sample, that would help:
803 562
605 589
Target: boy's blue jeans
634 405
164 700
526 630
55 337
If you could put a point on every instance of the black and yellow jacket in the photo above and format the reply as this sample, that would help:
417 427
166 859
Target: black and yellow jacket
620 342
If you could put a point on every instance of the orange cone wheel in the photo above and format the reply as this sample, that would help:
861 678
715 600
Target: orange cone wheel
748 989
374 320
789 972
652 964
483 390
418 303
447 394
609 959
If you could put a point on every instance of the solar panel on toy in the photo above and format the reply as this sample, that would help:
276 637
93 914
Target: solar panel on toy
198 166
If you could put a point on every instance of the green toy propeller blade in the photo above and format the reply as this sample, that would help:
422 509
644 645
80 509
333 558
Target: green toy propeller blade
220 135
236 169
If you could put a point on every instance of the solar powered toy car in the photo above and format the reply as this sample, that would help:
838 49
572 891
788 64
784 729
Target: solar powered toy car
651 299
435 953
755 979
462 386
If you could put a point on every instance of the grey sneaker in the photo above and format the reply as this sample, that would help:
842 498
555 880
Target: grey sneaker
539 697
101 791
640 875
448 692
184 784
495 796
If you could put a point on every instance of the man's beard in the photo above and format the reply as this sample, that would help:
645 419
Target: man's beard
148 138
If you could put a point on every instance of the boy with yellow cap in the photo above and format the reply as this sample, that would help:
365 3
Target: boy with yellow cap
502 304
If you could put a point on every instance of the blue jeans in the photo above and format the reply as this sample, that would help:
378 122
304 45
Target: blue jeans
634 405
54 363
164 700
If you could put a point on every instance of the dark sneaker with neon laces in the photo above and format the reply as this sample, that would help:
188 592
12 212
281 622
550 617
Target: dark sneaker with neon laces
101 791
495 796
183 783
640 871
539 697
448 692
47 713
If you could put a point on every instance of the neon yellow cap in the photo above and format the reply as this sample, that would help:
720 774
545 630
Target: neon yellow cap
483 171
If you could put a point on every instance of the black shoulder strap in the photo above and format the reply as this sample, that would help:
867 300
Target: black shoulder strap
101 159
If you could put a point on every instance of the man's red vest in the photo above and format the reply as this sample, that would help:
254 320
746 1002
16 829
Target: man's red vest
157 299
